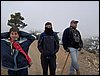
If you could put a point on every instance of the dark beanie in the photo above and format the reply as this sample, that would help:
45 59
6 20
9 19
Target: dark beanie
48 23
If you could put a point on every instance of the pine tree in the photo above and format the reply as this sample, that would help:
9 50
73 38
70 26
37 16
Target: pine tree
16 20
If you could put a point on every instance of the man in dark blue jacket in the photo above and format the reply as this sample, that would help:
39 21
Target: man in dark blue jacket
72 43
12 59
48 45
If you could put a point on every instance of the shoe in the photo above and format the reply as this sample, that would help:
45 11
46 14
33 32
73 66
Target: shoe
71 74
78 72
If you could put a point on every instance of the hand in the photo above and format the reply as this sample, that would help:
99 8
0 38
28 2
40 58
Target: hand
79 49
30 64
67 50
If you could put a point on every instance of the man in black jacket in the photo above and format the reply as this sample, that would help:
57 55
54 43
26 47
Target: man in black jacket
72 43
48 45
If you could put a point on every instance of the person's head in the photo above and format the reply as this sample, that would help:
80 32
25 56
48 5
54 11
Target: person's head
73 24
14 33
48 28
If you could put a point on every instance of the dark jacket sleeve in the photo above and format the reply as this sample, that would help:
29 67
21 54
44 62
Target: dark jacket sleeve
65 37
27 35
56 43
5 35
81 42
40 43
29 39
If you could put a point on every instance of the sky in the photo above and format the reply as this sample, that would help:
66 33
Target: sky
59 13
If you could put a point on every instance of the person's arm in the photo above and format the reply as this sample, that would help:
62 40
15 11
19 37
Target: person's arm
65 38
5 35
40 43
56 43
27 35
80 43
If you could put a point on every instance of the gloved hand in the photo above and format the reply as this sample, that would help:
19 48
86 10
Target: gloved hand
79 49
30 64
67 50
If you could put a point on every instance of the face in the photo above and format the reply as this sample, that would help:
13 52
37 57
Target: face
74 25
14 35
48 26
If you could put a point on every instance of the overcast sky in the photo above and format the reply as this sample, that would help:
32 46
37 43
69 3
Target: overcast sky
60 13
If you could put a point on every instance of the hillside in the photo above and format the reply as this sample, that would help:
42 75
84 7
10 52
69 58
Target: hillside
89 63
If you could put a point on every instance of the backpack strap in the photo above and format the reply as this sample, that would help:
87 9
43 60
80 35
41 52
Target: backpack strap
75 35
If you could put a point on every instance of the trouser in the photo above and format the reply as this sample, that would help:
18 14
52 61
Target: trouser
74 60
48 62
19 72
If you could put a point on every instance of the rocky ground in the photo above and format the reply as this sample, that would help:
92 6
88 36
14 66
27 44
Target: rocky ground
89 63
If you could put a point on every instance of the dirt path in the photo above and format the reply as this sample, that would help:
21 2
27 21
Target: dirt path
35 69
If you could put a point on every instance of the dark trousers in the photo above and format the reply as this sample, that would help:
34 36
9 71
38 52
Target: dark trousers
48 62
19 72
